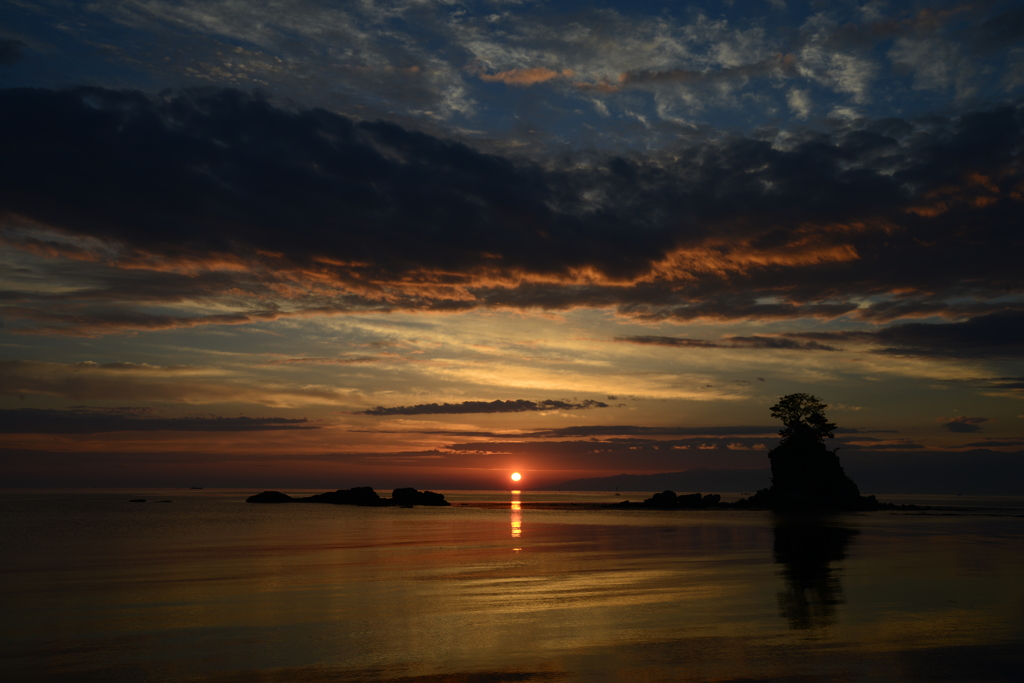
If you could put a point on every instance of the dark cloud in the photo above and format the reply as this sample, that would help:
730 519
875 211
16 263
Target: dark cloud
619 446
84 420
995 335
594 431
10 52
999 32
226 198
762 342
732 306
497 406
359 360
99 322
777 66
964 425
876 445
751 342
1003 386
993 443
669 341
144 383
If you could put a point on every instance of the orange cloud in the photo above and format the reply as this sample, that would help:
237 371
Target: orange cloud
525 77
978 190
601 86
721 257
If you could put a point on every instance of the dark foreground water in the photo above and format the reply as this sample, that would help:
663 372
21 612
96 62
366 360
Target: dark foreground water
208 588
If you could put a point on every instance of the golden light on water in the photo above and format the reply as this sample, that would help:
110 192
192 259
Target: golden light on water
517 515
516 476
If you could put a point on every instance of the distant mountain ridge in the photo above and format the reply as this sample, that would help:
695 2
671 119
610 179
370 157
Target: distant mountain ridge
979 471
700 479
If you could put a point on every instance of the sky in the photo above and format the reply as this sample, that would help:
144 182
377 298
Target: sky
428 243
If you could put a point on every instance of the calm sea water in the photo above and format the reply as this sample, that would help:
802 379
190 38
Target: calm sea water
209 588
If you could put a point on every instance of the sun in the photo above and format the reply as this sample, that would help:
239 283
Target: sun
516 476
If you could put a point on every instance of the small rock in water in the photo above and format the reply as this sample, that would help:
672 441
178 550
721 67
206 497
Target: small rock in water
270 497
410 496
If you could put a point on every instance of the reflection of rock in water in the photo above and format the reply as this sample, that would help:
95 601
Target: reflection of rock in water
812 586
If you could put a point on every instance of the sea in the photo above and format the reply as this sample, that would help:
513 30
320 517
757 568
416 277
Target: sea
208 588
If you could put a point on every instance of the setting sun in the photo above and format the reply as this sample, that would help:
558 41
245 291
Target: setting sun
516 476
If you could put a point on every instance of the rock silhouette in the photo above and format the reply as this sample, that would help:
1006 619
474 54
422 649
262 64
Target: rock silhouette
813 590
363 496
360 495
270 497
806 475
410 496
668 500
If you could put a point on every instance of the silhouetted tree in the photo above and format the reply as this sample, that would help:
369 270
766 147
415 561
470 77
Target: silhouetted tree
803 414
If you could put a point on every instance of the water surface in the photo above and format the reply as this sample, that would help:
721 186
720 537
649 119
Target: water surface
209 588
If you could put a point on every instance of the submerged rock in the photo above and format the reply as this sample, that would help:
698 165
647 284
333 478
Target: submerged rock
668 500
410 496
360 495
270 497
665 499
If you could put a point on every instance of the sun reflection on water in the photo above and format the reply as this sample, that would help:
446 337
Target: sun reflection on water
517 515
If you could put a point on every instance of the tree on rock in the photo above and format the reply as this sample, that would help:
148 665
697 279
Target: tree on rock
803 414
805 474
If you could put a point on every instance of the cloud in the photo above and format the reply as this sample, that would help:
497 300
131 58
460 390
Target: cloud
497 406
996 335
621 446
1000 31
732 342
418 62
775 65
964 425
84 420
1010 387
138 382
100 321
525 77
937 64
359 360
800 102
625 431
992 443
634 430
993 335
10 52
845 72
668 341
222 208
867 443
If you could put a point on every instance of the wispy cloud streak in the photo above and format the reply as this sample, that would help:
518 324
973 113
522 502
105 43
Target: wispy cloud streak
496 406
